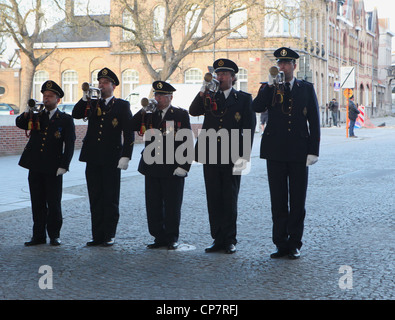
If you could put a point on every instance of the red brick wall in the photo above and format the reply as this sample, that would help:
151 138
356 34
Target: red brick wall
13 139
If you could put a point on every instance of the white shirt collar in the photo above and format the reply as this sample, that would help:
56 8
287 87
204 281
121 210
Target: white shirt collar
52 112
107 100
291 83
227 92
165 110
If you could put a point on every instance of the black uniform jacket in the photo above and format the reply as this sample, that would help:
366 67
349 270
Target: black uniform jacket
162 160
290 136
52 146
103 143
235 113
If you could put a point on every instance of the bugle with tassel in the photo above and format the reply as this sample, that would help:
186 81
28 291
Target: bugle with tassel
211 86
278 82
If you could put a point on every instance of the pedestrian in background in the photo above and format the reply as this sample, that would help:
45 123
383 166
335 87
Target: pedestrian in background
164 173
334 108
352 116
47 155
107 148
289 144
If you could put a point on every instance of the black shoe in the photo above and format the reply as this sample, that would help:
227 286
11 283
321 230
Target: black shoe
294 254
55 242
156 245
92 243
214 248
230 248
108 243
281 252
34 242
172 246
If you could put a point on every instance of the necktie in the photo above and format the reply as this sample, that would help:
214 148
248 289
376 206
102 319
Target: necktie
221 97
288 87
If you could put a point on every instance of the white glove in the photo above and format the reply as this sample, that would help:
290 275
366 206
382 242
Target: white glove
311 159
180 172
123 163
60 171
270 82
240 165
85 95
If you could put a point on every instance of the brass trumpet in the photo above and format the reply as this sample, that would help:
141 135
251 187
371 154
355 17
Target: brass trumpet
92 92
278 76
278 82
35 106
210 83
149 105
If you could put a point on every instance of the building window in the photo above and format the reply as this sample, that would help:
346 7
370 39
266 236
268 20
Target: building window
130 80
159 22
127 21
191 19
39 78
237 19
284 24
193 75
242 80
94 81
70 86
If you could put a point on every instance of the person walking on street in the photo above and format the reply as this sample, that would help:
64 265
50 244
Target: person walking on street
289 144
334 108
47 155
352 116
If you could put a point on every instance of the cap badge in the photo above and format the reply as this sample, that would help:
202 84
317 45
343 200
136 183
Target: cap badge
220 63
105 72
49 84
159 85
283 53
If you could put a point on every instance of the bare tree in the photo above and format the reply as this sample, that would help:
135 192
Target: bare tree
15 23
172 28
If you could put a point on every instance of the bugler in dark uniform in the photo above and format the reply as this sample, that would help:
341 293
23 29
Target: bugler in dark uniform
105 154
47 155
164 172
290 143
231 110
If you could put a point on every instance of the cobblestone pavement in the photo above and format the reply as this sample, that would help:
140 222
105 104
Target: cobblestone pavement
349 224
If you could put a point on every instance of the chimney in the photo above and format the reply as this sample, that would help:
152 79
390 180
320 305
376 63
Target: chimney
69 10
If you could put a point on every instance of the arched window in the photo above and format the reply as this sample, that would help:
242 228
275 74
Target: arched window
39 78
130 80
70 86
237 19
127 21
193 75
191 19
94 81
242 80
159 21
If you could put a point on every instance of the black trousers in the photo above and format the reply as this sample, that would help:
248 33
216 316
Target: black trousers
222 190
103 182
46 197
163 199
288 187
